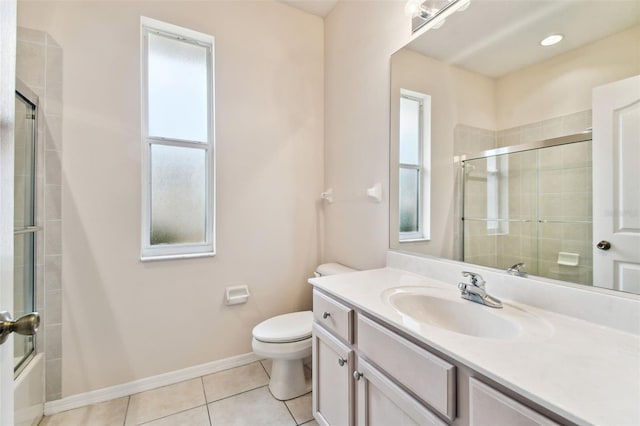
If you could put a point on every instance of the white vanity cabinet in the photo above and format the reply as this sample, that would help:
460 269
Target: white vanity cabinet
381 402
348 393
333 362
366 374
431 379
488 407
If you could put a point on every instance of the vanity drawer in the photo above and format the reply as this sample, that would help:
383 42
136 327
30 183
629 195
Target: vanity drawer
429 377
488 407
333 315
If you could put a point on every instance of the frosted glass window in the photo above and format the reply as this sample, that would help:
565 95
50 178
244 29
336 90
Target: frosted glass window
178 185
410 129
177 89
178 195
498 194
409 200
414 146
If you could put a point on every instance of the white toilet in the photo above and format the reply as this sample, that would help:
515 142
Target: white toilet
286 340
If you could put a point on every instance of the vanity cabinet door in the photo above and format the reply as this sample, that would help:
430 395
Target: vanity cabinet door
333 384
427 376
333 315
381 402
488 407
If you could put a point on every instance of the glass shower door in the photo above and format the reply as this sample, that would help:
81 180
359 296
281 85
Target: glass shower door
24 224
499 211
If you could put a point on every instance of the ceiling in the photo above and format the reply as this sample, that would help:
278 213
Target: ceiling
319 8
496 37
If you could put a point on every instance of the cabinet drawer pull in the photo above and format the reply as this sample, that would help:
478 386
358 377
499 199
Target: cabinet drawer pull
357 375
342 361
325 315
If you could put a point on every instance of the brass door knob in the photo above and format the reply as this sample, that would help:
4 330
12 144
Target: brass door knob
604 245
26 325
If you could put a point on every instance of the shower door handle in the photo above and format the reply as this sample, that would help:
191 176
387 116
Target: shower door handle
27 325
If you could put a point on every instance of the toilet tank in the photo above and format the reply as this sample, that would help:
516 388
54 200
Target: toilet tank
332 269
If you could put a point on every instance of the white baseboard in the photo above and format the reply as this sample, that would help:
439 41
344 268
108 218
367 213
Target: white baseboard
130 388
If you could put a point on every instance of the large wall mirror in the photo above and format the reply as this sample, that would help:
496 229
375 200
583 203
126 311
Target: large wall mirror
506 151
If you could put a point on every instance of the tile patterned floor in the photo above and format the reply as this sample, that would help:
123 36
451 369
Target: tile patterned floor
236 397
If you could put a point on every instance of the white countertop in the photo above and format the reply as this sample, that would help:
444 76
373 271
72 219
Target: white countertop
586 373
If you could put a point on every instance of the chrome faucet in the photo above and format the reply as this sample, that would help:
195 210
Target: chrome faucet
515 270
475 291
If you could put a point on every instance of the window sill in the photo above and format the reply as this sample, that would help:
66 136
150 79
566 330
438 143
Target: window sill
414 240
176 256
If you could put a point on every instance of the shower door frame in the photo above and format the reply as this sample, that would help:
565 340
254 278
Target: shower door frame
530 146
512 149
24 92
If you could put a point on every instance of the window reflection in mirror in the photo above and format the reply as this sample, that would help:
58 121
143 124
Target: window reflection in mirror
413 168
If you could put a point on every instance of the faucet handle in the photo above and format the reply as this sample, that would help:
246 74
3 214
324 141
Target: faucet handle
515 270
476 279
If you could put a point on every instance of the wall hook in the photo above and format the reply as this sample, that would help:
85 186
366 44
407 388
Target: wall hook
327 195
375 192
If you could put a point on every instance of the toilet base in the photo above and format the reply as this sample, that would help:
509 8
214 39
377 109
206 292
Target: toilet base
287 379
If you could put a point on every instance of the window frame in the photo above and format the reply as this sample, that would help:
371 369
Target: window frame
423 168
182 250
497 195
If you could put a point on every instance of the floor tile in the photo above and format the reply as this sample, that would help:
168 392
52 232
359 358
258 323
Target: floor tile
267 363
300 408
230 382
308 377
264 410
198 416
164 401
103 414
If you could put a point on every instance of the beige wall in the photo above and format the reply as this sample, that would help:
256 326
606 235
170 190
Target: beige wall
122 319
457 97
359 39
539 92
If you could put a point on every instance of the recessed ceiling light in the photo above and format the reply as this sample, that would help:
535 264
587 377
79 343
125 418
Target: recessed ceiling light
551 40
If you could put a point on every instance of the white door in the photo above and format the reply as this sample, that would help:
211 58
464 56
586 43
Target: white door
616 185
7 105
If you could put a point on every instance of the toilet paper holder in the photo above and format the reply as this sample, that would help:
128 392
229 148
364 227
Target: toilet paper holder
236 294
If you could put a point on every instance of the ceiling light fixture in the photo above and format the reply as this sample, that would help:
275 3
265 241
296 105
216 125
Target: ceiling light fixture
424 11
551 40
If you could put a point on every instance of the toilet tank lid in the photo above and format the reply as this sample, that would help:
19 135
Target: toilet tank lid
285 328
333 269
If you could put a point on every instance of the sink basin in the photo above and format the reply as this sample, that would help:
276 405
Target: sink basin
444 309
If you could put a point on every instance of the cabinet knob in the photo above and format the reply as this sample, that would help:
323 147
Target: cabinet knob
341 361
357 375
325 315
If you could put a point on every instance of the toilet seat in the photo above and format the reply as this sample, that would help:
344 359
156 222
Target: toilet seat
285 328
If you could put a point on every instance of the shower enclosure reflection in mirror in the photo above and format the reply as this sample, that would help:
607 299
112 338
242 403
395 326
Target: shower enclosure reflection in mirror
493 86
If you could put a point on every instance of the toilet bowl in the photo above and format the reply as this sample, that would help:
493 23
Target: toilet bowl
286 340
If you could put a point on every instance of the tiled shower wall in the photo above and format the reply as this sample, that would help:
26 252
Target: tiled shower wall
560 190
39 66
